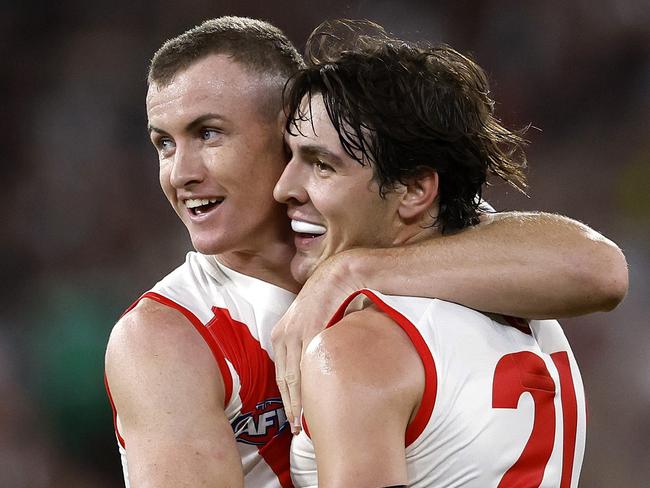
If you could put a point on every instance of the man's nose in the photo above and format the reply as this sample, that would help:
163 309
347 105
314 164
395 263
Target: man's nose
289 187
188 168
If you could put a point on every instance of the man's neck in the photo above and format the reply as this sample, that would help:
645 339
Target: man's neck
272 267
417 232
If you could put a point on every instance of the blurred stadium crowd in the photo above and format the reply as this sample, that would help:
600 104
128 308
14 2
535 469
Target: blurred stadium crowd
86 229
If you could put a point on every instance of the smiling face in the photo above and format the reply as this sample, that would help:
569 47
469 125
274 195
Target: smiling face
333 201
220 154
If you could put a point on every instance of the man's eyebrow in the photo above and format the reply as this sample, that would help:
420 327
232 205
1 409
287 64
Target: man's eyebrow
192 125
202 118
152 128
316 150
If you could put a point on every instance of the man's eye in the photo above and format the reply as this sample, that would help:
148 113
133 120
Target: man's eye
208 134
323 167
164 144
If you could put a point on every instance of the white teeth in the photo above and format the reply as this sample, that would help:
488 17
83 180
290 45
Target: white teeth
307 228
198 202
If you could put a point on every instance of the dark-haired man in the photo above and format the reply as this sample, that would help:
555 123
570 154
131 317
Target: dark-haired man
189 366
414 391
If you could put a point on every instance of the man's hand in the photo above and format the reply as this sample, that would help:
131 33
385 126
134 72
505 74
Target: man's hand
319 298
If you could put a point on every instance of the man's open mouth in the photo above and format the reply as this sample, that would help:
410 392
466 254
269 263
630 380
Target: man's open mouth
198 206
307 229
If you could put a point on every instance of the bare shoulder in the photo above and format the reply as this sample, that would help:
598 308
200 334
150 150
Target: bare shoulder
152 332
154 348
366 347
169 395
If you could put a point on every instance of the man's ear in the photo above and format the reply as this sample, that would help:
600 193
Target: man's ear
419 196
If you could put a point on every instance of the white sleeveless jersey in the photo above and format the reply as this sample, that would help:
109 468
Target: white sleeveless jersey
503 404
235 315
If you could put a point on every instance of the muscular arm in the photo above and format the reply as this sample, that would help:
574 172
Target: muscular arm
362 380
532 265
168 392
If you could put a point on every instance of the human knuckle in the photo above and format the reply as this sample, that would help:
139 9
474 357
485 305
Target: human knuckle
291 379
276 335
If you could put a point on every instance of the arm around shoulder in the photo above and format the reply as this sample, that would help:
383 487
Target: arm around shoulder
531 265
527 264
590 270
169 395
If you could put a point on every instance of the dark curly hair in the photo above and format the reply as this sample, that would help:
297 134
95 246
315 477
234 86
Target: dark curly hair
406 108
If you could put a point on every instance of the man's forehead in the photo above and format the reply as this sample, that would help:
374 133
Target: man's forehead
217 71
211 97
196 84
213 89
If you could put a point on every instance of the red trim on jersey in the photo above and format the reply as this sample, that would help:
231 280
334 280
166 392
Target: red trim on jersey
132 306
303 421
120 439
569 413
209 340
217 352
228 338
423 414
257 378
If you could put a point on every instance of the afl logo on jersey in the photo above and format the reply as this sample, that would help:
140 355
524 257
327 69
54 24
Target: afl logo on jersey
261 425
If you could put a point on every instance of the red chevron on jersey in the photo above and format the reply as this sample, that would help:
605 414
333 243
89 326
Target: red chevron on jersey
261 423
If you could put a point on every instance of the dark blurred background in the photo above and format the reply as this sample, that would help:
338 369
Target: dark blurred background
86 228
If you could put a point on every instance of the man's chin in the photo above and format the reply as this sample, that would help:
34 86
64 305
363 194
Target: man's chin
208 247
